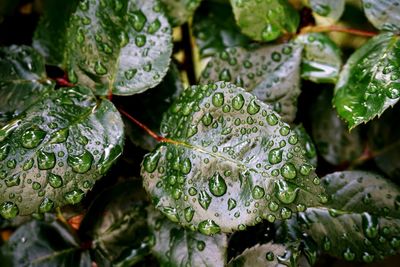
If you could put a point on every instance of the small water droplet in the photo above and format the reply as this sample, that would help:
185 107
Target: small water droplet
74 196
258 192
188 213
218 99
46 205
32 137
209 227
286 193
289 171
238 102
54 180
80 163
217 185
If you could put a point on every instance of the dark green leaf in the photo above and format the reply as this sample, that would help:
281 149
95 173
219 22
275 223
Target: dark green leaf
215 29
119 46
43 244
265 20
22 80
7 7
334 142
321 61
176 246
229 153
272 73
116 224
370 81
307 143
383 14
54 152
50 37
328 8
180 11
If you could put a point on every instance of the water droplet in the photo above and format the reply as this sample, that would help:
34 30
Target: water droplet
273 206
349 255
140 40
204 200
207 119
209 227
54 180
231 204
28 165
138 20
370 225
74 196
46 160
13 180
368 258
276 56
270 32
238 102
46 205
286 193
201 245
150 161
289 171
99 68
272 119
326 244
286 213
186 166
258 192
154 26
225 75
4 150
305 169
270 256
32 137
218 99
59 136
217 185
9 210
192 191
253 107
321 9
188 213
80 163
129 74
275 156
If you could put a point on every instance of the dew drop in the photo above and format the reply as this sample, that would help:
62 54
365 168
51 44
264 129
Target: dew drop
275 156
217 185
225 75
74 196
59 136
46 205
231 204
80 163
238 102
150 161
9 210
258 192
349 255
188 213
154 26
204 200
289 171
209 227
31 138
286 193
99 68
46 160
54 180
218 99
4 150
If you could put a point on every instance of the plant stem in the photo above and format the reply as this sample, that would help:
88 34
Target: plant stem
61 217
63 82
335 28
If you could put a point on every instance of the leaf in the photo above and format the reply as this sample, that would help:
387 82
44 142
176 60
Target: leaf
54 152
215 29
180 11
307 144
22 80
272 73
328 8
383 14
175 246
119 46
321 61
50 37
116 222
265 20
44 244
229 162
370 81
334 142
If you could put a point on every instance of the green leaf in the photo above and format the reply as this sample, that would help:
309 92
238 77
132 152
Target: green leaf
44 244
180 11
370 81
265 20
22 80
215 29
328 8
334 142
176 246
116 224
119 46
228 153
321 61
308 144
383 14
54 152
50 37
272 73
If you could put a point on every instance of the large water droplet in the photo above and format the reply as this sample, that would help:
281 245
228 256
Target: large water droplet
74 196
231 204
59 136
188 213
170 213
286 193
4 150
46 160
99 68
270 32
204 200
218 99
150 161
370 225
80 163
9 210
289 171
154 26
54 180
138 19
238 102
140 40
207 119
225 75
349 255
46 205
275 156
253 107
257 192
217 185
31 138
13 180
209 227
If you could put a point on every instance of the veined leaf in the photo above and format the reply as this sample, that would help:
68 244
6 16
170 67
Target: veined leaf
321 61
180 11
230 162
383 14
370 81
55 151
22 80
327 8
272 73
265 20
176 246
44 244
119 46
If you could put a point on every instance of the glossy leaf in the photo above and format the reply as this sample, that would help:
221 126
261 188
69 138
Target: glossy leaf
370 81
54 152
265 20
176 246
307 143
333 140
321 61
215 29
272 73
229 153
180 11
383 14
44 244
119 46
22 80
50 37
327 8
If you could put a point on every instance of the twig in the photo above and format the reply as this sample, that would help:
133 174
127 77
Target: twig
335 28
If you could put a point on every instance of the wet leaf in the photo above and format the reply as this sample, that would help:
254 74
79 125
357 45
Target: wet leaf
370 81
180 11
272 73
321 61
22 80
44 244
265 20
383 14
119 46
308 144
327 8
231 163
55 151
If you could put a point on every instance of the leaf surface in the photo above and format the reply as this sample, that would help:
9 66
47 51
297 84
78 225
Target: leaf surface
180 11
328 8
383 14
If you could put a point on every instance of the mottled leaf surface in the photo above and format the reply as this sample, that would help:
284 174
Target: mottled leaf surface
321 61
176 246
22 80
328 8
272 73
180 11
230 162
265 20
119 46
54 152
383 14
44 244
370 81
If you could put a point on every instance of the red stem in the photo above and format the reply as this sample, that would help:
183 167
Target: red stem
335 28
63 82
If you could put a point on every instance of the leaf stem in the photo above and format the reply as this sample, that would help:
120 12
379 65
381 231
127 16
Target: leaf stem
63 82
336 28
61 217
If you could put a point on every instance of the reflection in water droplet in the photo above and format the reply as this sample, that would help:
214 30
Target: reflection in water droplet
217 185
31 138
54 180
9 210
46 160
80 163
209 227
74 196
